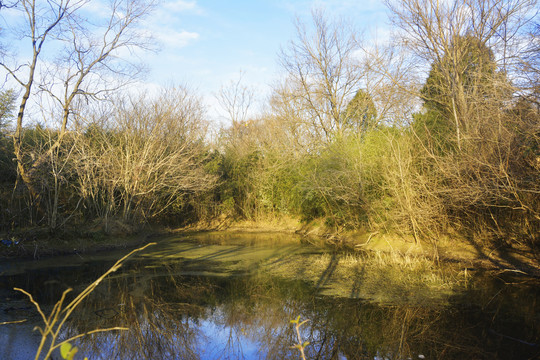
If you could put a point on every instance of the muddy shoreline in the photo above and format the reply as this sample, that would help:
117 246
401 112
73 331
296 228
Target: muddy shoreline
38 244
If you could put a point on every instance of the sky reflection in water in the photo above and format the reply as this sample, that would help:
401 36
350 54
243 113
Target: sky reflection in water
209 298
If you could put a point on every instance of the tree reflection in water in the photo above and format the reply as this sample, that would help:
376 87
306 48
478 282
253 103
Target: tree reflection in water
173 316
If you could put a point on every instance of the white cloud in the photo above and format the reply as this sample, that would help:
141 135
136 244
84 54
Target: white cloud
98 10
181 6
164 25
175 39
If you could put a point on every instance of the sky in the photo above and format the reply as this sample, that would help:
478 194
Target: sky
205 44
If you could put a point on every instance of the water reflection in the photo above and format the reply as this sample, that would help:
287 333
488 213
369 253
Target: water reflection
174 316
190 307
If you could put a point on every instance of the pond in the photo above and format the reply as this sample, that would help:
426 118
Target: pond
233 296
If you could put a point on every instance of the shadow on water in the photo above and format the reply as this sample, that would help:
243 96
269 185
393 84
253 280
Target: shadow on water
357 283
173 312
328 272
506 257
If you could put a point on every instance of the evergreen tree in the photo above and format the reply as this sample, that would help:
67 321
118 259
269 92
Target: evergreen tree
360 114
468 69
462 87
7 100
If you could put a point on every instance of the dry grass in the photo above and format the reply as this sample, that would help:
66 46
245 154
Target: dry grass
55 321
387 277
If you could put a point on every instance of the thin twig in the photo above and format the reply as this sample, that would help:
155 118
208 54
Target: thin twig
12 322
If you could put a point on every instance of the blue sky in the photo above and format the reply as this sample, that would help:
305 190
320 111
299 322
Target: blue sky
206 43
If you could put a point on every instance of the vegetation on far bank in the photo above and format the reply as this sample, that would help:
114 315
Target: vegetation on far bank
436 136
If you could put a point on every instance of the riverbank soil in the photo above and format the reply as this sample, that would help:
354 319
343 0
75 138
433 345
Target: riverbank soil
38 243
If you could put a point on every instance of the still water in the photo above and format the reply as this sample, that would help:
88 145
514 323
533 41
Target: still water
232 296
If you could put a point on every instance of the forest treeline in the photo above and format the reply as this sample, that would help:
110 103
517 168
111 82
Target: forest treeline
435 132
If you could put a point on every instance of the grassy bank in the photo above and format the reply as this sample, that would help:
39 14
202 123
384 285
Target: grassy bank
388 249
467 253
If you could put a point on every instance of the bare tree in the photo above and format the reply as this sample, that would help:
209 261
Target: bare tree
450 36
236 99
87 65
529 66
147 160
322 73
477 171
